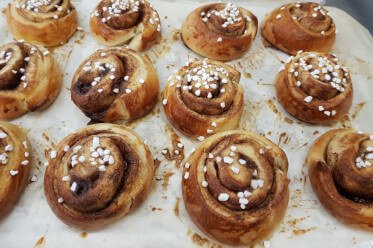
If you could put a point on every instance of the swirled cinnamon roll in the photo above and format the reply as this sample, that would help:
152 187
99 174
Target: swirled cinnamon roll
235 187
315 88
30 79
118 22
204 97
300 26
220 31
15 165
42 22
115 84
97 175
340 167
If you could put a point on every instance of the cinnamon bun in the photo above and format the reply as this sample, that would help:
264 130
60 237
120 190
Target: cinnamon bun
118 22
315 88
15 165
235 187
97 175
340 167
204 97
30 79
300 26
115 84
42 22
220 31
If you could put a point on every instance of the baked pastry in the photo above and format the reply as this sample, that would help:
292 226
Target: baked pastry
204 97
15 165
235 187
219 31
315 88
97 175
42 22
299 26
118 22
340 167
30 79
115 84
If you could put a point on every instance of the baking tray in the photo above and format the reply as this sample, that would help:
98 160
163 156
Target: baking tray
162 221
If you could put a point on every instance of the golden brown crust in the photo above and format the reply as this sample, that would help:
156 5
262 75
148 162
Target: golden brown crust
15 165
315 88
341 175
210 35
98 175
46 25
204 97
138 26
299 26
30 79
235 187
115 84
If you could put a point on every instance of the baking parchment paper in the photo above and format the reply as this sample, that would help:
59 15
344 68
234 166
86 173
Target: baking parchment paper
161 221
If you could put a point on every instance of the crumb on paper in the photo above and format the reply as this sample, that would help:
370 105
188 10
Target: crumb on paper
283 139
83 235
357 109
176 153
200 241
156 209
166 178
40 243
176 207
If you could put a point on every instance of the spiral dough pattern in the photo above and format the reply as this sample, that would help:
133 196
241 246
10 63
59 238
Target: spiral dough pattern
97 175
315 88
115 84
300 26
235 187
340 167
42 22
204 97
118 22
220 31
30 79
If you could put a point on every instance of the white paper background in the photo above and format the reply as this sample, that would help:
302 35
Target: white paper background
32 219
